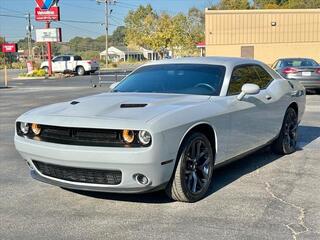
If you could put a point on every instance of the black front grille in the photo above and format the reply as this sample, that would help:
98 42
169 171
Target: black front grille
82 175
80 136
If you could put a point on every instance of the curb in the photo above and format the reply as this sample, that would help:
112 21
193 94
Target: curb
33 78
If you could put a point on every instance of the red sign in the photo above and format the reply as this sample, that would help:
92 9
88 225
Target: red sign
9 47
52 14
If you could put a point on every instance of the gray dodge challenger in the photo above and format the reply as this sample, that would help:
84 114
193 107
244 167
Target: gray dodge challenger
167 125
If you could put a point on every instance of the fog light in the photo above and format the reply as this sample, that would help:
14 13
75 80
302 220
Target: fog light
128 136
144 137
24 127
142 179
36 129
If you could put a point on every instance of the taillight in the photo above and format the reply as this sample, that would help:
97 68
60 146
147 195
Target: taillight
289 70
318 71
89 62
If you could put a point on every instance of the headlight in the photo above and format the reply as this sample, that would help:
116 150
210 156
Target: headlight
144 137
36 129
24 127
128 136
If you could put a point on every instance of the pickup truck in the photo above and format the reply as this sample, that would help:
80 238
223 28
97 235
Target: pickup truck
69 63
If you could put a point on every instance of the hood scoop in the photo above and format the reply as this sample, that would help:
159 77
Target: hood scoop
74 102
133 105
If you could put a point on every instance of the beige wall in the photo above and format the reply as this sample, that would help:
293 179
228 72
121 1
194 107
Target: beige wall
296 34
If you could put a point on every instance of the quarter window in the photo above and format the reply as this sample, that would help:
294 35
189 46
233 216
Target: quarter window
264 77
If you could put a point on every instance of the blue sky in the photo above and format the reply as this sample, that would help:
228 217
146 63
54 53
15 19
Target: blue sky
14 28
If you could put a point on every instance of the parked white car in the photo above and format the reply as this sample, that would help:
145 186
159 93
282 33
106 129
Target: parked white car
165 126
70 63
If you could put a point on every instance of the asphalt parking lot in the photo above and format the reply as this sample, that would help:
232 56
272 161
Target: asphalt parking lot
263 196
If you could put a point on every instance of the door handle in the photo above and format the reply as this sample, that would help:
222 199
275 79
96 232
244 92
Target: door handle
268 97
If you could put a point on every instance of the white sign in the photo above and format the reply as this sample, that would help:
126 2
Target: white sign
48 35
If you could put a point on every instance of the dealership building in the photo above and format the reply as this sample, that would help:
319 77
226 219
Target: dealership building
265 35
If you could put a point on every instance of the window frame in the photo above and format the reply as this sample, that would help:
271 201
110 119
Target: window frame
248 65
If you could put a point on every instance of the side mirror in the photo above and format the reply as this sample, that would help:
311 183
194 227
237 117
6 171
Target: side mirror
248 88
113 85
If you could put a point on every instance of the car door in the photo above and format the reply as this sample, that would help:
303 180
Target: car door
250 117
57 64
65 65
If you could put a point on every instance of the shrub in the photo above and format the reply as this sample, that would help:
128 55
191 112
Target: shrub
35 73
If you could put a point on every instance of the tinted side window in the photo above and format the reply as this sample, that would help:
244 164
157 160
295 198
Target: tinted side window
264 77
66 58
77 58
57 59
240 76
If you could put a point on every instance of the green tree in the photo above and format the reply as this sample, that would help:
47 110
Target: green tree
287 3
233 4
1 53
163 32
265 4
301 4
118 36
139 25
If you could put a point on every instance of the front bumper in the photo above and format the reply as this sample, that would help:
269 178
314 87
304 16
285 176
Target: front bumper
130 161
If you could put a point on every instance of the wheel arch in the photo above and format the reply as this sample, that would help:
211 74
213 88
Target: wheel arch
207 129
79 66
295 107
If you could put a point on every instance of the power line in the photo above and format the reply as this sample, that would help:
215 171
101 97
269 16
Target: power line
12 10
79 21
76 27
12 16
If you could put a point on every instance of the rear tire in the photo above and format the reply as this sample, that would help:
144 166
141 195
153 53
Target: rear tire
46 69
80 71
193 175
287 139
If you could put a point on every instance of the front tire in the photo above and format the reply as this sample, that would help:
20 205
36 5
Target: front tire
287 140
193 174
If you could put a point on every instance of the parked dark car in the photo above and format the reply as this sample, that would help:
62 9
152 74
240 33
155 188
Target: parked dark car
305 70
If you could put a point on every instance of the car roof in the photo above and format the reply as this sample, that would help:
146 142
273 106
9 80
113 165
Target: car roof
295 59
225 61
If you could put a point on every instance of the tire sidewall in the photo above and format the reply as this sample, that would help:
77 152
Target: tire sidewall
80 71
182 164
284 147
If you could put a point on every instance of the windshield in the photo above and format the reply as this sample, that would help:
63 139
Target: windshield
299 63
199 79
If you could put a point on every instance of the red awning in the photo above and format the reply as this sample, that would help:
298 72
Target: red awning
201 44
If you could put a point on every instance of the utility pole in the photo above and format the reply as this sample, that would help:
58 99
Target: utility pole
107 29
106 2
29 35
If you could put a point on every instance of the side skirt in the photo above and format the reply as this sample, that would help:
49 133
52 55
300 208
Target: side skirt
242 155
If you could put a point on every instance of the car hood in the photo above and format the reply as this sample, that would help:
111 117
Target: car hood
118 106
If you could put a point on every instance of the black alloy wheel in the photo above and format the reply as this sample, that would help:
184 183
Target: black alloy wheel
193 174
287 141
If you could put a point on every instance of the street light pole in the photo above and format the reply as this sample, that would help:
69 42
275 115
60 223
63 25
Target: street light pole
29 34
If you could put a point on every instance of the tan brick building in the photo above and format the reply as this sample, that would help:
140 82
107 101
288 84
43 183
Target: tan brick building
263 34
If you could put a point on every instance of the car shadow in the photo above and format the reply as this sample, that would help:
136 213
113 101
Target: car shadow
223 176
